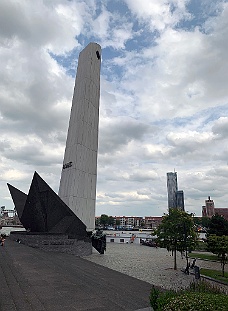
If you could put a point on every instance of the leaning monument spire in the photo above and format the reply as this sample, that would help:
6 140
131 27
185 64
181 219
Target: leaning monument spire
79 173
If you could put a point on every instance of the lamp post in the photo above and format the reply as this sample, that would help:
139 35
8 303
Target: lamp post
186 248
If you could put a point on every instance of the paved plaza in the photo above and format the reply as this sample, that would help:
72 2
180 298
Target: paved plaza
121 279
35 280
150 264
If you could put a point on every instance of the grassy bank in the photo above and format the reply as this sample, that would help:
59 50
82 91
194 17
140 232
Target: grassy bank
215 274
204 256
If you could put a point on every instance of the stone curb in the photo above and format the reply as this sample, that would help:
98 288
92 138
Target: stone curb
207 277
146 309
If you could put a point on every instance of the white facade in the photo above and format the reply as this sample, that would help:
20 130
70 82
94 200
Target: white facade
123 238
79 174
131 237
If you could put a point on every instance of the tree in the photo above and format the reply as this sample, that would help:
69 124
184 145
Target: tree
201 221
176 233
218 225
205 222
97 221
111 221
117 222
219 246
197 221
104 219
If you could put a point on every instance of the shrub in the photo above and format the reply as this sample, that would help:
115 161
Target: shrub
154 294
191 301
198 296
158 298
204 287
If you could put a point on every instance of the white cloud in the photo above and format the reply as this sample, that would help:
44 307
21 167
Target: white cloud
13 175
180 75
102 24
112 29
189 138
159 14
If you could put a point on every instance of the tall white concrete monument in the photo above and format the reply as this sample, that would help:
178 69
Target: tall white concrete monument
79 173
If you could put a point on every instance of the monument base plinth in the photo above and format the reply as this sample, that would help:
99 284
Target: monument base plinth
54 242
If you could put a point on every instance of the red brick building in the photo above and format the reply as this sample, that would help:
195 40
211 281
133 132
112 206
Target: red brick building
152 221
208 210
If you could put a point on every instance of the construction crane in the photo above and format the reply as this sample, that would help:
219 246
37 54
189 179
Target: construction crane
11 211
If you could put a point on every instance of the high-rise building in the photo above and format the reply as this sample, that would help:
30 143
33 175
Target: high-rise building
175 196
180 199
79 173
172 189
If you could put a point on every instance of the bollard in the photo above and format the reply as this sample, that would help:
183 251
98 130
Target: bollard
197 272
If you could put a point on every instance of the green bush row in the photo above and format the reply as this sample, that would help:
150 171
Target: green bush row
199 295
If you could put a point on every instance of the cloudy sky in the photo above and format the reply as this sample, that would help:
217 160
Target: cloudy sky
164 97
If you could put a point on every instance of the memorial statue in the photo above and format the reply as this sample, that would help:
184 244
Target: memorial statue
99 241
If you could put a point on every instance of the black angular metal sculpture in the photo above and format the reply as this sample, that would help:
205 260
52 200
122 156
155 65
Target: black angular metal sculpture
19 199
43 211
99 241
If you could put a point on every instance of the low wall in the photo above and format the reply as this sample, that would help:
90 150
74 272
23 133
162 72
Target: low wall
60 243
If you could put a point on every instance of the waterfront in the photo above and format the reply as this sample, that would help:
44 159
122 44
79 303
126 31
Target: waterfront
141 234
7 229
150 264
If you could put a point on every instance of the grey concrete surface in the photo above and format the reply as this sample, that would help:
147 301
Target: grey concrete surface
32 279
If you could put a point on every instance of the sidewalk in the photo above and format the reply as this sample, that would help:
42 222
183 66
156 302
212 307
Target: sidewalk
31 279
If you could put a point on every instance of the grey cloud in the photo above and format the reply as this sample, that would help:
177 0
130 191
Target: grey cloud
37 99
119 132
12 19
144 192
114 195
219 173
4 144
39 23
221 128
32 153
142 176
221 155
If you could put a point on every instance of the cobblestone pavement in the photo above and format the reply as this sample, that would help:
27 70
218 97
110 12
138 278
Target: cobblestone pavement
153 265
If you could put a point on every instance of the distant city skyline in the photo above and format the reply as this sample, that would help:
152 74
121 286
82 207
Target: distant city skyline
175 196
